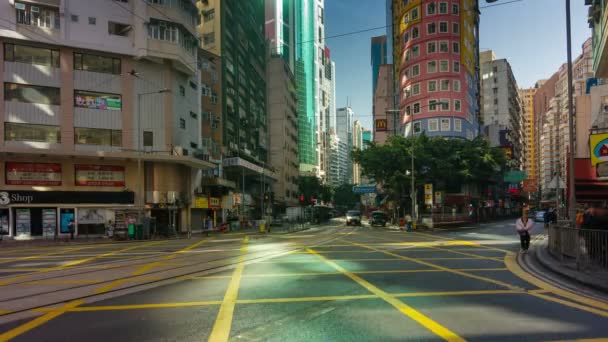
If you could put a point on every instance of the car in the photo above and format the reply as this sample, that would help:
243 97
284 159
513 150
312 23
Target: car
539 216
353 217
378 218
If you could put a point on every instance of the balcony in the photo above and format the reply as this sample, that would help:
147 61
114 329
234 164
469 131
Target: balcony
177 11
182 59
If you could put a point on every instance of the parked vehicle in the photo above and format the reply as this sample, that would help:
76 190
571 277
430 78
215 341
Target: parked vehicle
539 216
353 217
378 218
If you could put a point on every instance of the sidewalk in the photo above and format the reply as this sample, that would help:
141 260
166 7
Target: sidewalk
593 277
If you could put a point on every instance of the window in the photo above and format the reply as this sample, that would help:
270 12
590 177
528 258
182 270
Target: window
455 28
456 86
118 29
214 98
455 9
96 63
444 47
166 30
408 92
445 104
28 93
406 18
431 28
445 124
416 108
36 15
417 127
457 105
407 55
182 123
182 90
93 100
408 110
31 55
443 27
209 15
445 85
92 21
415 14
495 91
443 8
148 138
406 37
320 14
416 89
431 47
456 67
97 136
209 38
406 74
458 125
432 105
33 133
496 102
74 18
431 8
431 66
416 70
415 51
456 47
433 125
193 115
415 32
444 66
432 85
495 69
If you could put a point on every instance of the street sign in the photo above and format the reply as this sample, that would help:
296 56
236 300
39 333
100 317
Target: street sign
428 194
438 197
530 185
364 189
515 176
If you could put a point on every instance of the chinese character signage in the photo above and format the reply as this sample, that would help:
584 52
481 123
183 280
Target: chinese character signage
381 125
215 203
97 101
201 202
33 174
428 194
598 144
99 175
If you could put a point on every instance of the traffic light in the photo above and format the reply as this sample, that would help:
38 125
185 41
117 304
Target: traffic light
302 200
312 200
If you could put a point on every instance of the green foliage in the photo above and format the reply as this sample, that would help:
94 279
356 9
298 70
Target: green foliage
344 197
311 186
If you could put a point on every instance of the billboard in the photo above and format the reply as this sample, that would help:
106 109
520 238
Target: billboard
99 175
33 174
92 100
381 125
598 145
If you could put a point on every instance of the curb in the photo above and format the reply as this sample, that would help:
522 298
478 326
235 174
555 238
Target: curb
543 256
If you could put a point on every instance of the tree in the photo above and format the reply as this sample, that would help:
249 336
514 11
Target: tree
345 198
311 187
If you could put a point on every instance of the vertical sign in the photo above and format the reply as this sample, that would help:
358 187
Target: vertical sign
23 222
428 194
49 222
438 197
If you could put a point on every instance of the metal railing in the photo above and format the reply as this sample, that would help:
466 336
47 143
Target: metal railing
587 247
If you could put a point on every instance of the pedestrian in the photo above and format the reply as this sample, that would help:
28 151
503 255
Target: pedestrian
547 217
579 218
209 225
524 225
71 228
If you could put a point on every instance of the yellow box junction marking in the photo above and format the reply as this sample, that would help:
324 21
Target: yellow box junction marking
407 310
223 322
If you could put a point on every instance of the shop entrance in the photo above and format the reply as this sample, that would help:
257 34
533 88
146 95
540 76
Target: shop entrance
167 220
4 219
34 221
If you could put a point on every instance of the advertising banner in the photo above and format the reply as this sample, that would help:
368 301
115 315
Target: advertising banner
49 221
201 202
530 185
23 222
97 101
215 203
598 144
428 194
99 175
381 125
33 174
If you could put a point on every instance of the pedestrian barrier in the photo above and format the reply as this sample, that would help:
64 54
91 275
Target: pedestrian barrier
589 247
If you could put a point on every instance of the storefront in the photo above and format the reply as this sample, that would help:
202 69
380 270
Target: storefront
46 214
205 207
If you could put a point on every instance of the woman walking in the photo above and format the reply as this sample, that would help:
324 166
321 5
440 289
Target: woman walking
524 225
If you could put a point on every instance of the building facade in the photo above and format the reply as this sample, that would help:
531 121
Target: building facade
280 30
357 145
501 107
379 56
527 97
105 99
439 64
345 139
386 117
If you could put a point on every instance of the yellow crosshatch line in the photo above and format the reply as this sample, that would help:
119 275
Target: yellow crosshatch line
375 259
405 309
39 256
223 321
62 282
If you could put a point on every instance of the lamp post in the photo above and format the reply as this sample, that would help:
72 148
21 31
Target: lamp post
140 204
413 178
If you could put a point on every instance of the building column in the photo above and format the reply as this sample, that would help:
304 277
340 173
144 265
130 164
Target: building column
2 97
67 98
128 105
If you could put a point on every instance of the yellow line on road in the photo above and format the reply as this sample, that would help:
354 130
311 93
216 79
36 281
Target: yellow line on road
601 339
513 266
39 256
38 321
4 312
446 269
475 244
305 299
105 255
457 293
151 265
62 282
407 310
223 322
137 306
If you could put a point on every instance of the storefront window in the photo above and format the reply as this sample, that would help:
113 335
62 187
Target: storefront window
34 133
97 136
31 94
96 63
31 55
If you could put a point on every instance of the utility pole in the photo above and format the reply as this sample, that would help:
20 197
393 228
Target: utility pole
572 195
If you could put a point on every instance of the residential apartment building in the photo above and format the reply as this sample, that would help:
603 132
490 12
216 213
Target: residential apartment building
234 30
339 166
438 73
527 97
357 145
100 115
501 107
327 112
343 145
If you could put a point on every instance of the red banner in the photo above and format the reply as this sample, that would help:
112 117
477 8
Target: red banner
381 125
99 175
33 174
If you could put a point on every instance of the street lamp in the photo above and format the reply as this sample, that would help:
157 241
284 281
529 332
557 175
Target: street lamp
413 179
140 204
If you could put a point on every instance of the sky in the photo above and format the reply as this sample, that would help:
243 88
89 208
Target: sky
530 34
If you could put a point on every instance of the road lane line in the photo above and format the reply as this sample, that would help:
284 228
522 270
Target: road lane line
477 244
457 293
407 310
571 304
39 256
446 269
7 336
513 267
223 322
135 306
113 253
173 255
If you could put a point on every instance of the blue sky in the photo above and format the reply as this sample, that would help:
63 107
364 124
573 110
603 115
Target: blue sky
531 34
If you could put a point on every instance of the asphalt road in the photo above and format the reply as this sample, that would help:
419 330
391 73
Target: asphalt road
325 284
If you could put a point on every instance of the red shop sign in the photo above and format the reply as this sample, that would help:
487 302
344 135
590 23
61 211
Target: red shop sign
99 175
32 174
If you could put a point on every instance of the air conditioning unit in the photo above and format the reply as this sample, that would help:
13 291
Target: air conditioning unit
178 150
